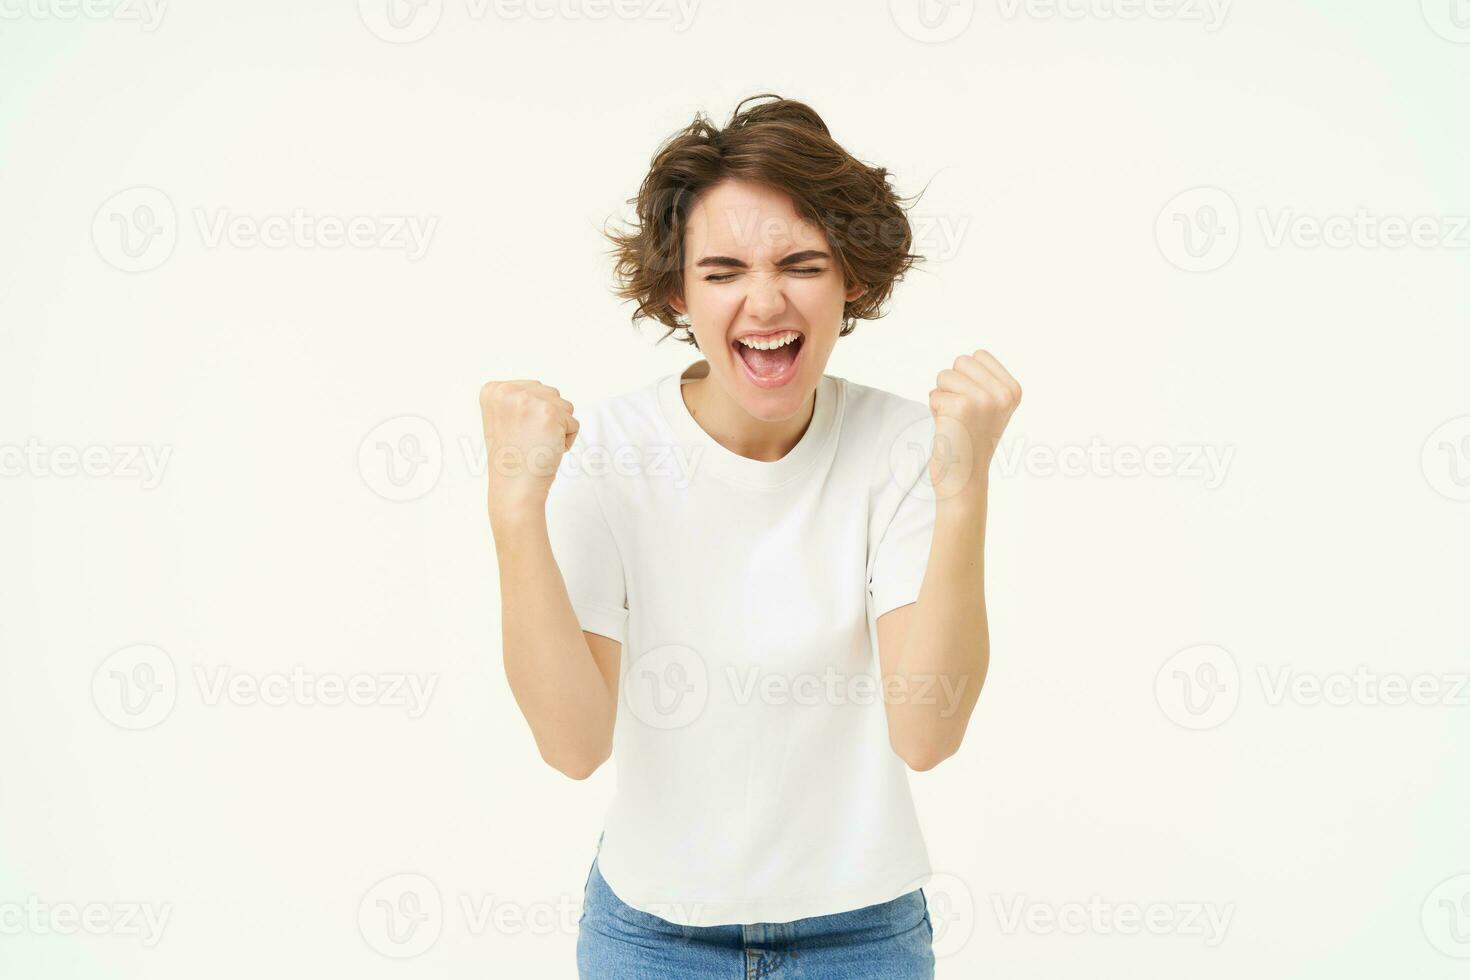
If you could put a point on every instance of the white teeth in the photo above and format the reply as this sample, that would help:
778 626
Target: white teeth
771 343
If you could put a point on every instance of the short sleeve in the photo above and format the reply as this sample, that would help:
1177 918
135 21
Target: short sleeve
587 554
905 513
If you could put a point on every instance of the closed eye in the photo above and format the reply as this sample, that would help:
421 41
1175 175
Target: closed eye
727 276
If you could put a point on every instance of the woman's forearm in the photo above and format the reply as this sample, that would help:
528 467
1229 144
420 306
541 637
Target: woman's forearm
944 656
942 642
550 667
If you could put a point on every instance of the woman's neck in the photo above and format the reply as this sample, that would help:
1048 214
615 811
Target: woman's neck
736 429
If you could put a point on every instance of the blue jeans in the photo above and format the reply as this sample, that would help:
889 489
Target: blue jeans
892 940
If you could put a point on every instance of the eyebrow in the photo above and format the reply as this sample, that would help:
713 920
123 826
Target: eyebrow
792 259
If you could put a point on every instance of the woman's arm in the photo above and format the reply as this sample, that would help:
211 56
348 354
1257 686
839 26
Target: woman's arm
564 679
934 653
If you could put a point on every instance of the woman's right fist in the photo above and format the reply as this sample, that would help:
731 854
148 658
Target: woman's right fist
528 426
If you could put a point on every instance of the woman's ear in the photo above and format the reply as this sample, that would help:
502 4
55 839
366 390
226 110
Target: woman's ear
855 290
677 302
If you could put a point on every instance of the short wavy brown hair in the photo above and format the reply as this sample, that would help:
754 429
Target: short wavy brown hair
783 144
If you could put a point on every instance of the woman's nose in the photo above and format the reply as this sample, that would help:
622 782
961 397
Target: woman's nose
765 298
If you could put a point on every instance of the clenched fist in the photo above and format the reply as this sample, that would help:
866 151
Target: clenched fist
528 426
971 404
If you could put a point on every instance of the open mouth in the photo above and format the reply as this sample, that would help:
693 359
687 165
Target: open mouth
770 359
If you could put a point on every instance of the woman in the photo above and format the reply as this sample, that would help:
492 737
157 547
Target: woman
797 579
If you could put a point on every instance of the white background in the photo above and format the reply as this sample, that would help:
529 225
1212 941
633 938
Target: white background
1052 144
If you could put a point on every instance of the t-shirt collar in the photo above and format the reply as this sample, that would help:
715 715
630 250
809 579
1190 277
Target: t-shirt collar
731 466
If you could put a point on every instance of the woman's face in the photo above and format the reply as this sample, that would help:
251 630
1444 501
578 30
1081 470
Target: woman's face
754 269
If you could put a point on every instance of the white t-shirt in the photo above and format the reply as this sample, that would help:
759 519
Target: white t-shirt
755 779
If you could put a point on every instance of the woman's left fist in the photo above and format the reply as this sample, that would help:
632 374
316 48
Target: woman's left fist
971 404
